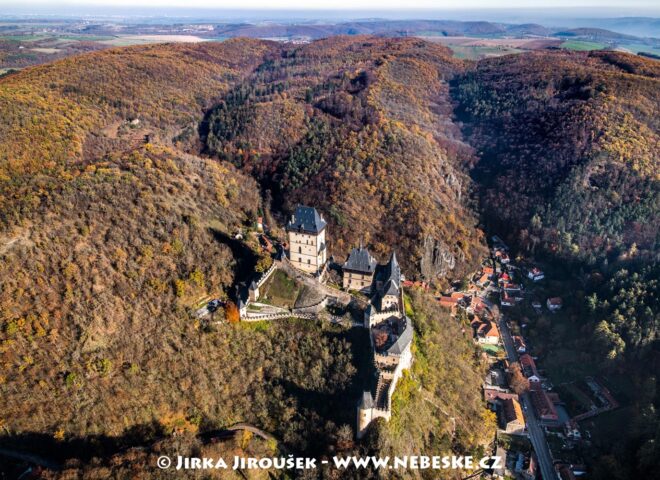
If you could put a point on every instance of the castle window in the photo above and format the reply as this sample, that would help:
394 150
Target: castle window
299 249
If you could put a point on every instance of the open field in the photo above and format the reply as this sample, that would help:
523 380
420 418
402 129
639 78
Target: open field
522 43
126 40
475 53
46 50
473 48
580 45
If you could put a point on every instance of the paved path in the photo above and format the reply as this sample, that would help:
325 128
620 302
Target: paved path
536 433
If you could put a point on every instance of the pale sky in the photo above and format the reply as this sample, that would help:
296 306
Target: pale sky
347 4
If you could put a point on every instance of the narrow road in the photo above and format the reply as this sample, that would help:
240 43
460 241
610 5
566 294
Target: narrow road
536 433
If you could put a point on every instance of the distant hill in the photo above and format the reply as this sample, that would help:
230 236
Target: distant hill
594 34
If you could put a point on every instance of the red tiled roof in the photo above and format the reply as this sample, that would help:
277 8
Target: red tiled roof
542 404
448 301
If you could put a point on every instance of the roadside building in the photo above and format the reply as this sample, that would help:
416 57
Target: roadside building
449 302
528 367
485 331
535 274
507 300
514 421
543 406
554 304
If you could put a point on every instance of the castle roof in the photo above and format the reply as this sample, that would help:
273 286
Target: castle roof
399 331
390 276
306 219
391 288
367 400
404 339
360 260
393 269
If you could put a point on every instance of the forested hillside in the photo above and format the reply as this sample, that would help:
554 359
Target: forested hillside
568 146
125 174
360 127
114 223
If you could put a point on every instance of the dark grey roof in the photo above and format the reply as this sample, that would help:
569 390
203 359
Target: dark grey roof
391 288
306 219
367 400
393 270
360 260
404 338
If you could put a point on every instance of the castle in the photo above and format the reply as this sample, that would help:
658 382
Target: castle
391 335
391 331
306 232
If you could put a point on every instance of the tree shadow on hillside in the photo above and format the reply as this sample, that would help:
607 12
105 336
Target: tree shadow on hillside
54 452
245 258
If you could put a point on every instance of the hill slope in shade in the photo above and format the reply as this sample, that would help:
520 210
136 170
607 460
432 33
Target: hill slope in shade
568 148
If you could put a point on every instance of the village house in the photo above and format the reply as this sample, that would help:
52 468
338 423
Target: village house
448 302
477 306
485 331
504 278
554 304
486 275
528 367
507 300
535 274
358 270
495 384
306 233
514 421
543 406
503 256
513 289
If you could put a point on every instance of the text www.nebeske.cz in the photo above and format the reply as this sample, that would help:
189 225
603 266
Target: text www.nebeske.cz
414 462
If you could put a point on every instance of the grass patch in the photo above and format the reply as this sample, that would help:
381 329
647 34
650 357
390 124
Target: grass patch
262 326
517 443
492 350
281 290
407 306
